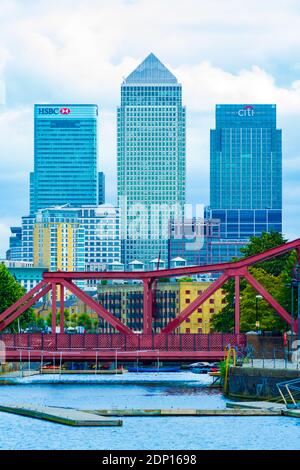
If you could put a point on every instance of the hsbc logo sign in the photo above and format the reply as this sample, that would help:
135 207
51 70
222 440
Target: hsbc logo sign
246 111
54 111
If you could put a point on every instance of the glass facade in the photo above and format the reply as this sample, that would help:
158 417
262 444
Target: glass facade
101 188
246 171
65 156
14 252
151 159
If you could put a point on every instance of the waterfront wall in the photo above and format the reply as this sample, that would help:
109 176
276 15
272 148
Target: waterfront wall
266 346
257 383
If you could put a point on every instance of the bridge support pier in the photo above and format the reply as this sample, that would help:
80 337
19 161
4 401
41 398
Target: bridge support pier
237 305
297 329
147 307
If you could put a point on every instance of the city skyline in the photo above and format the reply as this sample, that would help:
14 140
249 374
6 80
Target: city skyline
208 77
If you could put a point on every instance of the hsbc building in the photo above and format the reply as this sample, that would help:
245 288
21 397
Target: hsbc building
65 156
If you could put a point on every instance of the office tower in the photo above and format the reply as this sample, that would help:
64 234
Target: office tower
65 156
246 171
101 188
14 252
28 222
151 160
190 239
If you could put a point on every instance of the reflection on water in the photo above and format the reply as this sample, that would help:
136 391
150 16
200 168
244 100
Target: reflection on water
167 390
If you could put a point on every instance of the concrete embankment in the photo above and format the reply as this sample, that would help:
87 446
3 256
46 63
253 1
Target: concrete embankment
275 408
256 383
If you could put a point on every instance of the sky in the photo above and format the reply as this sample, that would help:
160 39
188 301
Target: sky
79 51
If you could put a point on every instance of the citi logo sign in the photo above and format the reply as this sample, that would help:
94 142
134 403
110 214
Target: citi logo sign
53 111
247 111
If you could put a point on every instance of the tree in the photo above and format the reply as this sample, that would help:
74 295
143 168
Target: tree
275 275
268 318
66 316
266 241
10 292
85 320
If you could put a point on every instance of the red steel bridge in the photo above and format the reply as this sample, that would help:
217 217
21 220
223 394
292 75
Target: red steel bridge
127 344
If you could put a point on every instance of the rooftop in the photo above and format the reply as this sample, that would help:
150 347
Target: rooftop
151 70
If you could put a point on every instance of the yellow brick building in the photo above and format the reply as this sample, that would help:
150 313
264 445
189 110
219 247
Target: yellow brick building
199 321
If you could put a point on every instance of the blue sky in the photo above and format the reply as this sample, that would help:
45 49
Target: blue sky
232 51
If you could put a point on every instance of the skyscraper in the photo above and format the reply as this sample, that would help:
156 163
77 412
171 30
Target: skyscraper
65 156
151 159
101 188
246 171
14 253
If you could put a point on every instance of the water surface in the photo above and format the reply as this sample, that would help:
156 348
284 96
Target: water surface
163 390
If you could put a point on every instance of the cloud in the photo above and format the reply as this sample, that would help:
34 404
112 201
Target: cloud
80 50
206 85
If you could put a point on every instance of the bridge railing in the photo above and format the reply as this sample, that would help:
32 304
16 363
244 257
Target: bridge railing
137 342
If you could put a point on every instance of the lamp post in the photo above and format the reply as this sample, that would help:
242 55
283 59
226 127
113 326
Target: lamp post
257 324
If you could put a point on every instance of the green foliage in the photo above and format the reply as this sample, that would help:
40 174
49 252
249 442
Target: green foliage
274 275
265 242
85 320
269 320
73 320
10 292
222 367
185 279
164 279
66 315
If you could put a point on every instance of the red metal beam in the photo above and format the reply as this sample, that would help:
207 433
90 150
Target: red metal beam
62 309
237 305
262 291
23 308
53 318
220 267
195 304
101 311
147 306
23 299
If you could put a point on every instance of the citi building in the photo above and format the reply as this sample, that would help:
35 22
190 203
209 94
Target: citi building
246 171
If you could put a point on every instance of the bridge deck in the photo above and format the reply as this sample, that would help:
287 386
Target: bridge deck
91 347
128 356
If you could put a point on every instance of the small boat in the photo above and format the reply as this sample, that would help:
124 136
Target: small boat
205 368
196 365
200 370
153 369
